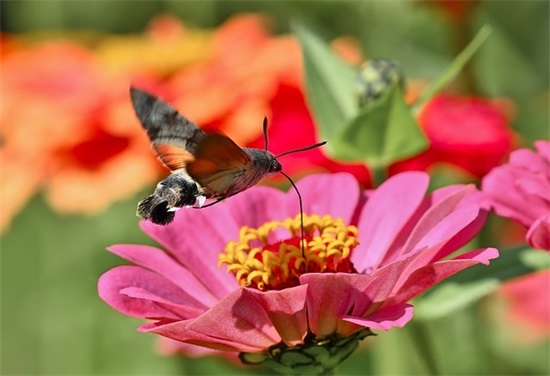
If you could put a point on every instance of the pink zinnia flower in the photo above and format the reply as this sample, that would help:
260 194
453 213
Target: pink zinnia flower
366 255
520 190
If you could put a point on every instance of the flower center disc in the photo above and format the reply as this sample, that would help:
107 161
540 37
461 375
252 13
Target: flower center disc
257 263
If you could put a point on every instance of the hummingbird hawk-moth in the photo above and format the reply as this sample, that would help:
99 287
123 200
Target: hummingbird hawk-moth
203 165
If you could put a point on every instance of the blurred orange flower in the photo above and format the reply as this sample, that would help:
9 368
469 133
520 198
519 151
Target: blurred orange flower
67 124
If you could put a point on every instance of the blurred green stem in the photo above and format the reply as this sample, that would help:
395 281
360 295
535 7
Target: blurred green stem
424 348
453 70
379 173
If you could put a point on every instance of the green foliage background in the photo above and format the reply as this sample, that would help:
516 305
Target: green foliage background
54 323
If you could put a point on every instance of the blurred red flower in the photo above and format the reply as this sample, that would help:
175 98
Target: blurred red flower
454 10
67 124
471 133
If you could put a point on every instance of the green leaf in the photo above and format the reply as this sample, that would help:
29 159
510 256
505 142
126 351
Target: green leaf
329 83
472 284
383 132
453 69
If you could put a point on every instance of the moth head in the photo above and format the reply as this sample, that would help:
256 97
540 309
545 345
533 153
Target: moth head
274 165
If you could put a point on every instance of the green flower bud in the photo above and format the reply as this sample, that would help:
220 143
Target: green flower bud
375 77
313 357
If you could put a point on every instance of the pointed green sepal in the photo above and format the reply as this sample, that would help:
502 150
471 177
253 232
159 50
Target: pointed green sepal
383 132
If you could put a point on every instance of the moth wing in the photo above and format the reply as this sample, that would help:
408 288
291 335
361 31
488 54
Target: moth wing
172 156
217 161
174 138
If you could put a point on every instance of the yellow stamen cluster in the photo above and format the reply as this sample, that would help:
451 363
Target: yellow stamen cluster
327 247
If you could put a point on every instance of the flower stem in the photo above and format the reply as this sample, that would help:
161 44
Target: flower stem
423 345
379 173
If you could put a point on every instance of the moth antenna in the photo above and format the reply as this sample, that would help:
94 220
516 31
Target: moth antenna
302 149
264 128
302 232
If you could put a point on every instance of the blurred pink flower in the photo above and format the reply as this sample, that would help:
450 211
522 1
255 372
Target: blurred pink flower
525 313
520 190
367 254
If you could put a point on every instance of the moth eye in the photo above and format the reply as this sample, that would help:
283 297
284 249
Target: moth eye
275 166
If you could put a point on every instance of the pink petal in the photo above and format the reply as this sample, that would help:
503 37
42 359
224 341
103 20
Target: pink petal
287 311
538 235
178 331
257 206
168 347
543 148
382 286
434 206
160 262
500 185
196 238
463 236
182 311
537 188
335 194
385 318
427 276
528 161
384 215
238 320
331 296
113 281
443 233
434 215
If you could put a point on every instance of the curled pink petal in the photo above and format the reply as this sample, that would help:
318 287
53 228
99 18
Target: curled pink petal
433 215
178 331
520 190
158 261
538 235
427 276
543 149
238 319
112 282
385 318
287 311
440 234
181 310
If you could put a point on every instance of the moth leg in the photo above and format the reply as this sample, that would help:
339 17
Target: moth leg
209 204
